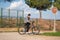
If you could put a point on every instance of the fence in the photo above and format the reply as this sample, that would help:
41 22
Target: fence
10 18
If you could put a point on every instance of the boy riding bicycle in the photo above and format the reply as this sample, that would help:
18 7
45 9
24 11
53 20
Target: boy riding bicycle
27 24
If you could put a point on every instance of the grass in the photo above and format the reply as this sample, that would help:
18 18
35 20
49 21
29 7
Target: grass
52 34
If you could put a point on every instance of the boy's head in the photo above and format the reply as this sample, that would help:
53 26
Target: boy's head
29 14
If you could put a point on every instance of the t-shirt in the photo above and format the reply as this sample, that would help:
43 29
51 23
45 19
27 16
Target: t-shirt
26 20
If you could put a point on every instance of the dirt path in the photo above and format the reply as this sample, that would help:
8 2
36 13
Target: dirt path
16 36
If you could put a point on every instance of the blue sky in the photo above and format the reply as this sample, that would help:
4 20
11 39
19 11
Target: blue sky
20 5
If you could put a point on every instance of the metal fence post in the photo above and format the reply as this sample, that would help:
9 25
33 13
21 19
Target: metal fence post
22 18
17 17
1 16
9 16
23 15
36 22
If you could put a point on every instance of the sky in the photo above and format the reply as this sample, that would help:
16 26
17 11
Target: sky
21 5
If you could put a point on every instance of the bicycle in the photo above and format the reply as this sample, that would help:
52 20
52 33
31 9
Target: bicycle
33 29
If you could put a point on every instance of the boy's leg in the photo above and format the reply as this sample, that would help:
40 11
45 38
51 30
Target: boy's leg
28 27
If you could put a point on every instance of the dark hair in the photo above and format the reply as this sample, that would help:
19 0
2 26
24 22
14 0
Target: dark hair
29 14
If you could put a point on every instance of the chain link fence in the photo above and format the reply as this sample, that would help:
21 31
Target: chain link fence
10 18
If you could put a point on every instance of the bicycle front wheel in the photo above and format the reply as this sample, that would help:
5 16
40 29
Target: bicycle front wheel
36 30
21 30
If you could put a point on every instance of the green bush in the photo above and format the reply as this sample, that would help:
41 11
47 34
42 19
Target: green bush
52 34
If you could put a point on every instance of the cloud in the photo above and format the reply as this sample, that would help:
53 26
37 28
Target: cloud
16 4
20 5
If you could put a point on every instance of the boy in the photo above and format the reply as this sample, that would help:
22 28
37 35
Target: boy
28 23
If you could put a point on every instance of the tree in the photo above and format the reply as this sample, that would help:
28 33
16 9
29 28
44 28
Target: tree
8 0
57 4
39 4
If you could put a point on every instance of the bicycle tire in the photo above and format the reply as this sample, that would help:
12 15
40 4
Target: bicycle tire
21 30
37 31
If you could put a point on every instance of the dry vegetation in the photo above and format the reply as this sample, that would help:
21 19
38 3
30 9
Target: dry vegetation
43 24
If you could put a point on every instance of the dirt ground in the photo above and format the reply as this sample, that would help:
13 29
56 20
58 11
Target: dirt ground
17 36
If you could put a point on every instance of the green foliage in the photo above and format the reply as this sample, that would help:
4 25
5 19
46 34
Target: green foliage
57 4
52 34
38 4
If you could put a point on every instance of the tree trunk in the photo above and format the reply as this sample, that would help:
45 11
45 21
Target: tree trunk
40 14
40 18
